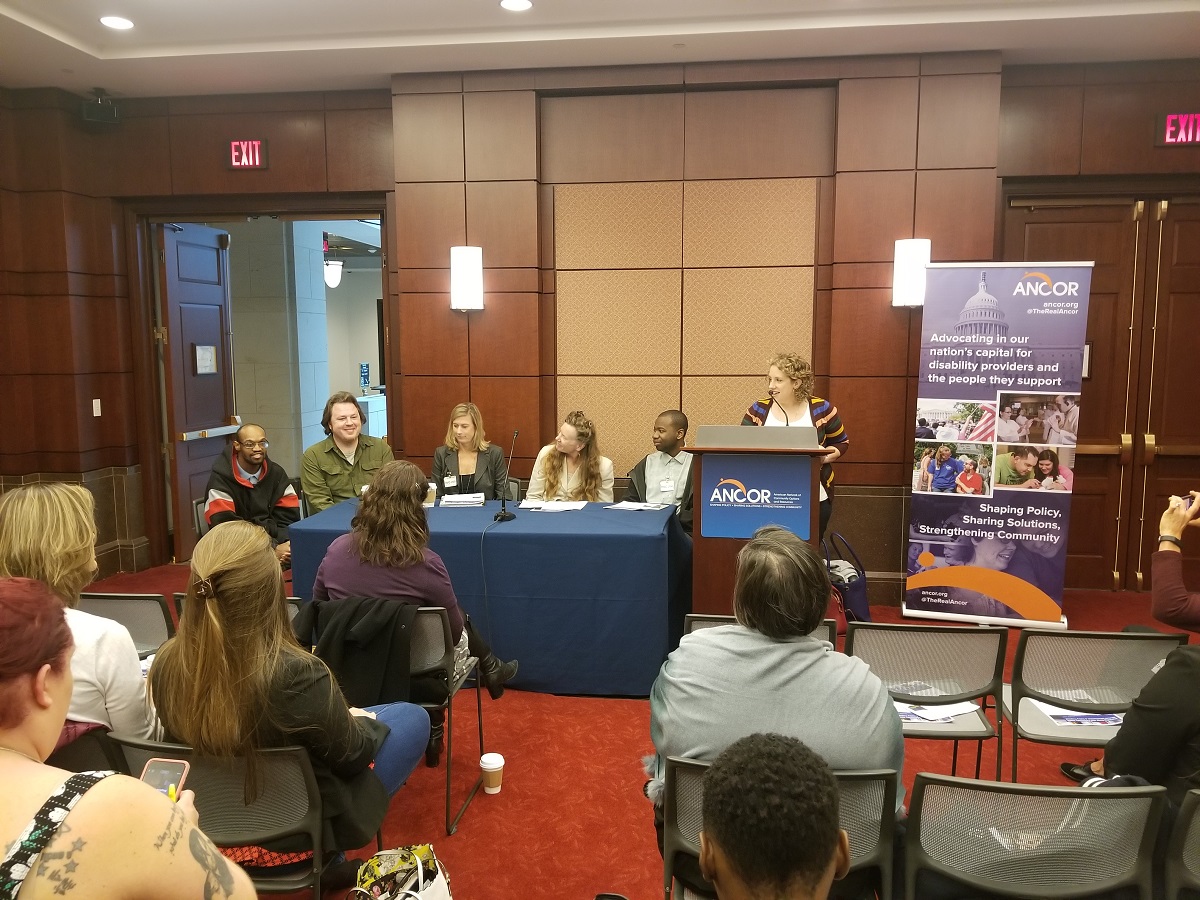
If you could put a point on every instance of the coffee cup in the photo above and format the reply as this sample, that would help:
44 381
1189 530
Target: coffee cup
492 765
431 494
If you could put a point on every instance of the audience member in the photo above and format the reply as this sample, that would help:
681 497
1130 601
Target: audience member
386 555
1016 468
572 468
924 432
109 836
48 532
771 829
1170 601
245 485
234 680
665 476
790 401
767 673
340 466
467 463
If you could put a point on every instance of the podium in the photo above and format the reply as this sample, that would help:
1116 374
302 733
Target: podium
745 478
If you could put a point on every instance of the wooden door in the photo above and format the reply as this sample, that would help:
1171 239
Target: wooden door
197 364
1136 446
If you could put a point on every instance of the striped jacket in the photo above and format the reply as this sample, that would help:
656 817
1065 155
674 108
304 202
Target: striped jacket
830 429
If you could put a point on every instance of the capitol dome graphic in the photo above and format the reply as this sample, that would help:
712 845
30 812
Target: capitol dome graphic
982 314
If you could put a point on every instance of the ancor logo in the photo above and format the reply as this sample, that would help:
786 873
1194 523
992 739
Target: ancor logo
1042 285
736 492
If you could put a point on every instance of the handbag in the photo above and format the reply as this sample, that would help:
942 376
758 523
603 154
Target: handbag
407 873
848 578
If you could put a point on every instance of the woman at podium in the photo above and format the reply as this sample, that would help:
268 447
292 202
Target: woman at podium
790 402
571 468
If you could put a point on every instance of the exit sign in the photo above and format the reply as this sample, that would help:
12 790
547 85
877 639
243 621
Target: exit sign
1177 129
247 154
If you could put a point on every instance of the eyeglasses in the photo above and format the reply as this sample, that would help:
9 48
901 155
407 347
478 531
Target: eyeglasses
254 445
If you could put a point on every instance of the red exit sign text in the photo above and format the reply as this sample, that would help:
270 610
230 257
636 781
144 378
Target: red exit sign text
247 154
1175 129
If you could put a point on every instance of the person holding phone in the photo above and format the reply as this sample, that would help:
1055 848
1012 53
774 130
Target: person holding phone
1170 601
234 679
106 835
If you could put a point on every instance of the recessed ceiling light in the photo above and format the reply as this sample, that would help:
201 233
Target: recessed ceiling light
516 5
116 22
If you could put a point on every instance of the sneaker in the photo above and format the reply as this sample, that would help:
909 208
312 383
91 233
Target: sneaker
1077 773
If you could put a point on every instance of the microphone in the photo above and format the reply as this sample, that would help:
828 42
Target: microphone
504 515
779 406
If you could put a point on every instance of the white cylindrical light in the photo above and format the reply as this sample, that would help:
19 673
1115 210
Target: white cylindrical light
466 278
908 272
333 272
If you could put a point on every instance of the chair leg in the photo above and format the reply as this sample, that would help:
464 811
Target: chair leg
978 758
954 760
452 824
1014 754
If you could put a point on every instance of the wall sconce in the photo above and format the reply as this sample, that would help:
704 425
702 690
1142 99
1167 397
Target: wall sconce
908 272
333 272
466 278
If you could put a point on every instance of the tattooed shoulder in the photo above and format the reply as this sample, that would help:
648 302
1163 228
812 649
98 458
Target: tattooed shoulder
218 879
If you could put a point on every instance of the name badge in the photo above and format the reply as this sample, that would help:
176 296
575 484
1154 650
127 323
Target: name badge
667 486
450 481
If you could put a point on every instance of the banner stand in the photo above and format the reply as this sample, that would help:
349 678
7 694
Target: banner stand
1006 622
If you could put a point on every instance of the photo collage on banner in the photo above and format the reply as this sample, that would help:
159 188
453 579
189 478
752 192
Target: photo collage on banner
994 438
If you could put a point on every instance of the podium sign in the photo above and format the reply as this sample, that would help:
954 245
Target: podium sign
742 493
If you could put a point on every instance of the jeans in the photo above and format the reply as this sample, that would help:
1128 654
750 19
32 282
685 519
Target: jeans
404 747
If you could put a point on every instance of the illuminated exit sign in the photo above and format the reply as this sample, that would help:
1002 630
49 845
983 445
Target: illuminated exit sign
247 154
1178 129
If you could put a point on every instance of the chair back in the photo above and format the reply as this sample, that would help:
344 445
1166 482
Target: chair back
513 490
1182 868
682 813
294 604
198 520
1031 840
288 803
431 646
931 663
146 616
826 631
92 751
299 489
1087 670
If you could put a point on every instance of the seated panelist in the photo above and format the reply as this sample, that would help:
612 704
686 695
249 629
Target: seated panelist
340 466
245 485
572 468
665 476
467 463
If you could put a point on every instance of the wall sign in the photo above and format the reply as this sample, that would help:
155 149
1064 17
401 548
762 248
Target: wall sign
1178 129
248 154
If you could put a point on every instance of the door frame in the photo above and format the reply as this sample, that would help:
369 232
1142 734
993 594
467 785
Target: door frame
137 219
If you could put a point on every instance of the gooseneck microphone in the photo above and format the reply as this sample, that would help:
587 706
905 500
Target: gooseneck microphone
504 515
779 406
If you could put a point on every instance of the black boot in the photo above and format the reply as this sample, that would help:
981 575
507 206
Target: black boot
496 673
437 741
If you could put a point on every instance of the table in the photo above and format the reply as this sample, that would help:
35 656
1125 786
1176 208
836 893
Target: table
589 601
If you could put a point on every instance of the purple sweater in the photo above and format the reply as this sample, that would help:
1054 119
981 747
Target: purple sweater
344 574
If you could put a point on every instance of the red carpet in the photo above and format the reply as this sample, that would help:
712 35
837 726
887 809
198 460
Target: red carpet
571 820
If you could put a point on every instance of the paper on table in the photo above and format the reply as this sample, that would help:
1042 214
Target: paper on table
941 712
910 713
462 500
553 505
1060 716
917 688
633 504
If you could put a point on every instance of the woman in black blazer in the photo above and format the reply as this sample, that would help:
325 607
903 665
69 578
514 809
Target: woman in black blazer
466 463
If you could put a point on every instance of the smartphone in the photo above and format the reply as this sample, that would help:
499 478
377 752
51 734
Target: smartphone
1187 499
161 774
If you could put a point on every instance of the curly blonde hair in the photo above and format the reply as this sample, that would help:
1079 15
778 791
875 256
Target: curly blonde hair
796 367
48 532
589 459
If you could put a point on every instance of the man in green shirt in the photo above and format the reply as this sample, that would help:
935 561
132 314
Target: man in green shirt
340 466
1016 468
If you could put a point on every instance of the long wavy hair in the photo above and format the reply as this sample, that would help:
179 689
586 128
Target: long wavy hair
471 411
211 683
554 465
390 527
795 366
48 532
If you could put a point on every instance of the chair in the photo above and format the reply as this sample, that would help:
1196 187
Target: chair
826 631
1182 868
296 486
1032 841
866 810
930 665
146 616
92 751
515 490
198 521
288 804
431 652
294 604
1088 671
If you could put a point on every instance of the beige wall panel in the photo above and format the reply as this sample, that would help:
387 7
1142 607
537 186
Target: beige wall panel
618 226
724 309
611 138
721 401
619 323
765 222
623 410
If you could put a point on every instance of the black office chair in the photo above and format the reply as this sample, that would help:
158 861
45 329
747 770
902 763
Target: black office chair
146 616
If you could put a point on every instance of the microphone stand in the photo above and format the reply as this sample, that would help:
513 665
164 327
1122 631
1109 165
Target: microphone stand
779 406
504 515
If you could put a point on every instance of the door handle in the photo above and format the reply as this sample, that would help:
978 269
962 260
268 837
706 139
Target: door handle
1149 448
219 431
1126 456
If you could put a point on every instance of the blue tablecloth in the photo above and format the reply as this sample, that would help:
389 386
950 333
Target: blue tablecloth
589 601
